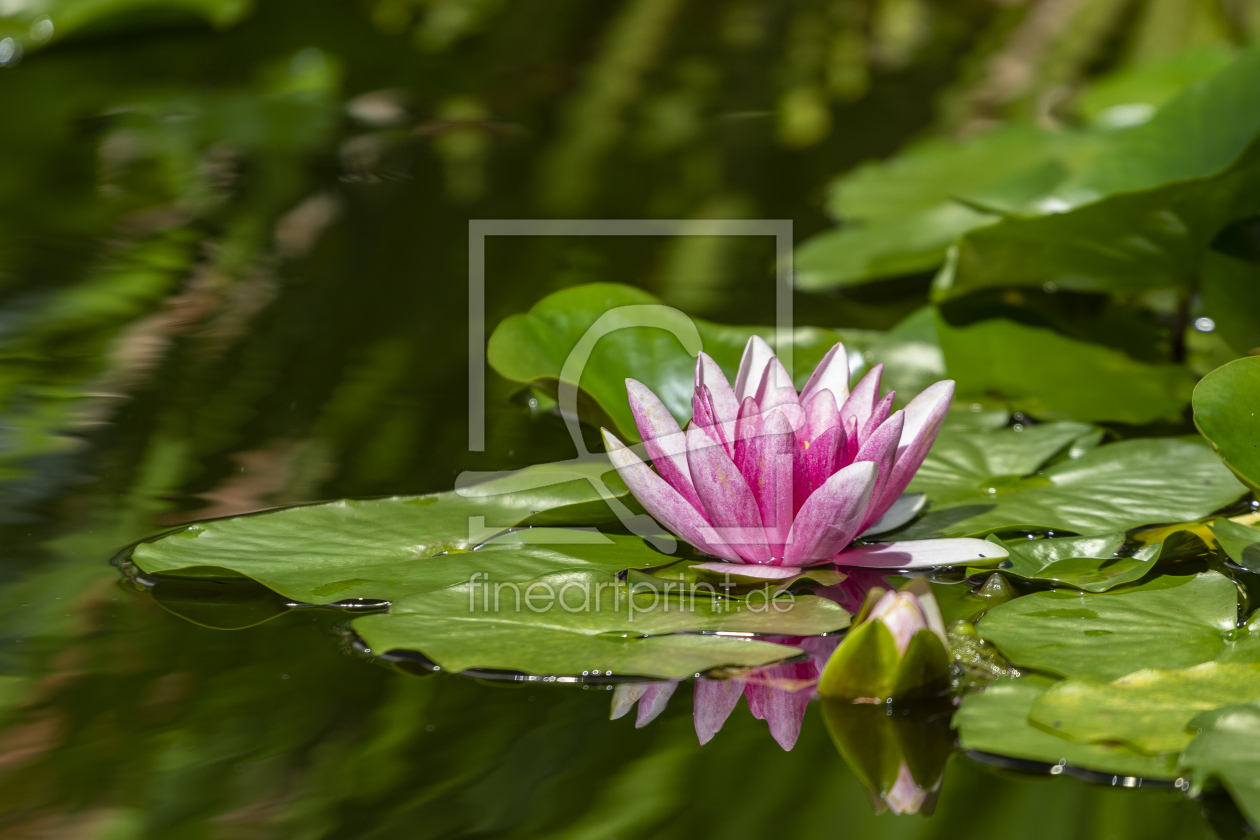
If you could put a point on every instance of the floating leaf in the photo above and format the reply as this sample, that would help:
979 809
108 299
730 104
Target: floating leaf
1240 542
1228 747
900 215
1115 487
384 548
996 721
1148 710
570 622
966 462
1226 403
1144 211
1094 563
1170 622
1045 374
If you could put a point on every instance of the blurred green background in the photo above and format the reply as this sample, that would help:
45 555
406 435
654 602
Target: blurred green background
233 262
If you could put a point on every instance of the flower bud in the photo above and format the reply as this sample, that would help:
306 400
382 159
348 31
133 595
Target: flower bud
897 649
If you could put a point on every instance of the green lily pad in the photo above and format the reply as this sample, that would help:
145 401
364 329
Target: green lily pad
900 215
1240 542
1226 403
546 651
644 339
384 548
1112 488
570 622
1170 622
1227 747
996 721
1144 211
966 462
1148 710
1045 374
1093 563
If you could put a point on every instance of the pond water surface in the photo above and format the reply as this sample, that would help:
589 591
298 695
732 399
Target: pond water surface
256 240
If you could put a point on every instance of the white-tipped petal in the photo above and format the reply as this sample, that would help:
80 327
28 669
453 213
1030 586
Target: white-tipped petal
907 507
757 354
666 444
832 374
732 508
923 554
725 405
832 515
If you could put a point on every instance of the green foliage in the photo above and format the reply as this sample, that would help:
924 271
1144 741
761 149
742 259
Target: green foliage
996 721
1225 406
1046 374
1114 487
1148 710
1094 564
1240 542
1225 749
606 333
1169 623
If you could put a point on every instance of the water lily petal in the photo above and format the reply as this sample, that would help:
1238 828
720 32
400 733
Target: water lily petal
665 443
727 499
757 354
924 416
821 459
902 615
905 508
775 388
880 448
847 455
881 412
768 470
747 424
905 796
654 701
704 416
709 374
832 374
922 554
751 570
821 414
861 402
782 709
625 695
714 701
663 502
831 516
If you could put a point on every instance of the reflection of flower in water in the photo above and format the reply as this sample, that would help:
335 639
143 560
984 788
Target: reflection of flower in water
778 694
899 757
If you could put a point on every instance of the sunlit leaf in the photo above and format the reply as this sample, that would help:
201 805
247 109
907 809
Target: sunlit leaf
571 622
1042 373
1227 747
1112 488
1170 622
996 721
1226 403
1147 710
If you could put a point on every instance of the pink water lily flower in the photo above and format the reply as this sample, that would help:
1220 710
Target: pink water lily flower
776 480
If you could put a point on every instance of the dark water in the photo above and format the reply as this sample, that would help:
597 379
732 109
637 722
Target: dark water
233 275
